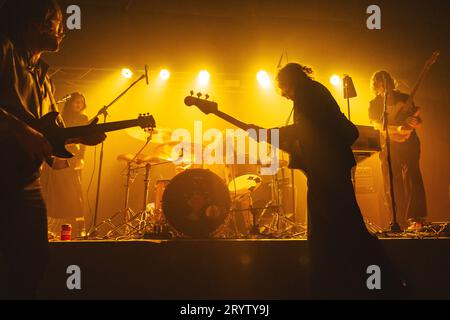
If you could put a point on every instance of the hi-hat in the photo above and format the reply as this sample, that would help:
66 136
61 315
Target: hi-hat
167 151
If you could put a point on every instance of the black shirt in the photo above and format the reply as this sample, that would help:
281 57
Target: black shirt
26 92
324 134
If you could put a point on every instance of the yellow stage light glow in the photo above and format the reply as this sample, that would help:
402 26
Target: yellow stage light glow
203 77
263 79
127 73
164 74
335 80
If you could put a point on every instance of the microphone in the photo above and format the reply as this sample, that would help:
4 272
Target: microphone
386 93
349 87
64 99
146 74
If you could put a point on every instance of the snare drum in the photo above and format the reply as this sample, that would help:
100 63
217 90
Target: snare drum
243 178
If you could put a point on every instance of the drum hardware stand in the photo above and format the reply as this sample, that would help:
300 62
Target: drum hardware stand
394 226
126 212
104 111
144 215
279 214
255 229
294 202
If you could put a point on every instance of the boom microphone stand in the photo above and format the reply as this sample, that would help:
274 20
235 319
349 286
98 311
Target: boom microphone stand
104 111
394 226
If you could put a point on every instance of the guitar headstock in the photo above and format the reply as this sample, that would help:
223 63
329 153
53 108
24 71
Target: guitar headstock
433 58
205 105
146 121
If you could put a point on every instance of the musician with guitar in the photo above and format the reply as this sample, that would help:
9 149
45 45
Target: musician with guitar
403 120
319 143
27 30
337 236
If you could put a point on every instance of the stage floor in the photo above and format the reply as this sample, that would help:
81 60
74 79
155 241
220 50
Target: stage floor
222 269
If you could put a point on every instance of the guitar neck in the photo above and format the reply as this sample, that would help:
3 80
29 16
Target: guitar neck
80 131
231 120
415 89
422 74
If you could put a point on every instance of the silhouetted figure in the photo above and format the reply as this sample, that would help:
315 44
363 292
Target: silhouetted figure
340 246
27 29
405 155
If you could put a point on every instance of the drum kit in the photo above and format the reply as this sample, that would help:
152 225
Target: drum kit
202 201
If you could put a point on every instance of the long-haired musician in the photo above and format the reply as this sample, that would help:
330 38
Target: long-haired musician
62 188
405 152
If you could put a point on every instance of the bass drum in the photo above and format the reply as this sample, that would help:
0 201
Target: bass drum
196 203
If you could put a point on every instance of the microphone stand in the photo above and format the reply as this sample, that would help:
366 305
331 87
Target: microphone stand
104 111
347 97
394 226
292 174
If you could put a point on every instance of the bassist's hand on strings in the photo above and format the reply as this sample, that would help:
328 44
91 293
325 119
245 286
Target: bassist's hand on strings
414 122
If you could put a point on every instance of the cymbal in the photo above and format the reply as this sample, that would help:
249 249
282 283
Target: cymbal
159 135
140 159
165 150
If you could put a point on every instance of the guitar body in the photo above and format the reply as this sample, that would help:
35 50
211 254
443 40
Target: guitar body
17 169
49 126
399 131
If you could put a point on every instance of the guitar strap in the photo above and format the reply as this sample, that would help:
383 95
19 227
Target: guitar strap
44 87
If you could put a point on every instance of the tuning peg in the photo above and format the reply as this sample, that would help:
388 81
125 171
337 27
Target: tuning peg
199 94
191 92
206 96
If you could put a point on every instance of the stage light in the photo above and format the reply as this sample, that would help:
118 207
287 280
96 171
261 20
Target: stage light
335 80
164 74
263 79
127 73
203 77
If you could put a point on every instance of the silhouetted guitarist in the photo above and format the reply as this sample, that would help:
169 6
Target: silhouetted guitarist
27 30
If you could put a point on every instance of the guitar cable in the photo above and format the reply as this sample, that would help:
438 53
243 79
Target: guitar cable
89 188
